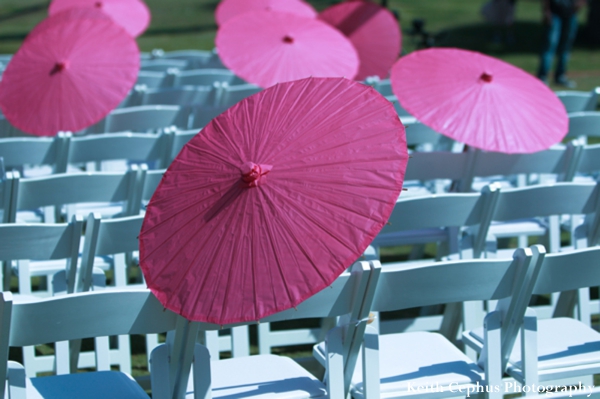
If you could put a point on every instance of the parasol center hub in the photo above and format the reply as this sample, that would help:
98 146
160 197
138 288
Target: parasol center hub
486 77
253 174
98 4
59 67
288 39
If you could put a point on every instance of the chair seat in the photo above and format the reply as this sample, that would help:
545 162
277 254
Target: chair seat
510 229
410 360
266 376
562 343
106 385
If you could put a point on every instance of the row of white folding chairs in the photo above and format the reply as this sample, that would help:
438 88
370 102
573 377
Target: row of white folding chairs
215 94
406 364
67 153
195 58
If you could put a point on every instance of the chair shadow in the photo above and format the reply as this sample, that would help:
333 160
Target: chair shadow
462 368
286 385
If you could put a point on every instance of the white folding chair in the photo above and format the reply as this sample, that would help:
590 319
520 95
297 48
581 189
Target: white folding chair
128 148
74 317
142 118
576 101
228 95
157 79
35 156
268 375
435 171
196 58
162 65
560 348
55 244
584 124
512 170
396 365
112 193
205 77
180 95
399 108
180 138
536 210
421 137
201 115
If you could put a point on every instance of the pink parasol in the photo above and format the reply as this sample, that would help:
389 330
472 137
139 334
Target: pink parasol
133 15
479 100
268 47
273 200
228 9
372 29
69 73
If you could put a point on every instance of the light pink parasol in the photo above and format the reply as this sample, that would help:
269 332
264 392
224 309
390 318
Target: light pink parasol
268 47
479 100
372 29
228 9
273 200
133 15
69 73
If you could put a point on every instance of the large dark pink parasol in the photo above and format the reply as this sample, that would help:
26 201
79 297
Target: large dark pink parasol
273 200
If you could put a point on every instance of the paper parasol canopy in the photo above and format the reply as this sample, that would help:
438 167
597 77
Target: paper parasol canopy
69 73
479 100
228 9
133 15
372 29
273 200
268 47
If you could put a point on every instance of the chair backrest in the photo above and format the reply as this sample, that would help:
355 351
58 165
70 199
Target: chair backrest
180 95
70 188
161 65
35 151
200 116
107 237
584 124
157 79
588 160
7 195
78 316
149 148
151 182
404 286
228 95
144 118
549 200
423 138
180 138
560 161
575 101
196 58
205 77
42 242
417 220
437 165
383 86
566 271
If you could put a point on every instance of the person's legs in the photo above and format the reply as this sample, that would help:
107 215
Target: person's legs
550 39
567 38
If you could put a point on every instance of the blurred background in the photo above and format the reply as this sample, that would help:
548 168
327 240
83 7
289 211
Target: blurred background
189 24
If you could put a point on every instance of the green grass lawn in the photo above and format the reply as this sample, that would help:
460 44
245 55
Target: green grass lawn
189 24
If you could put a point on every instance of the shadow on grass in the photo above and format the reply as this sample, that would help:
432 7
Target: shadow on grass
180 30
19 12
523 37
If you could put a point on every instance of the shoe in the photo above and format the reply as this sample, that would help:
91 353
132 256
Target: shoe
564 82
